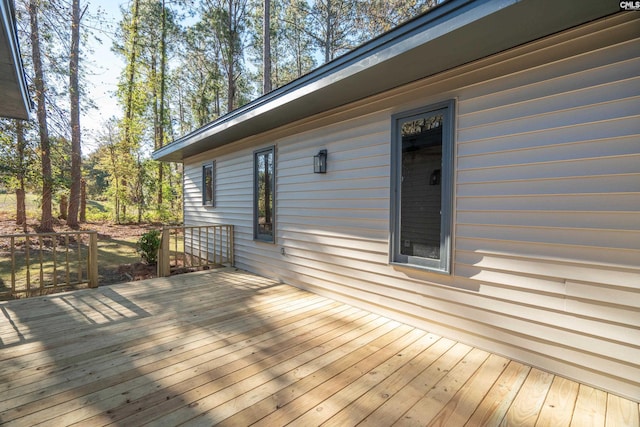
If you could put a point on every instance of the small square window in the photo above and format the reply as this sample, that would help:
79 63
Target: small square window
208 184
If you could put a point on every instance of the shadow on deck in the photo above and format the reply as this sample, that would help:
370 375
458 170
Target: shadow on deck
229 347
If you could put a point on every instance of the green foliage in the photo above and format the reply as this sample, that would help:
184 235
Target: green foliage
96 176
163 215
148 246
186 64
99 211
11 165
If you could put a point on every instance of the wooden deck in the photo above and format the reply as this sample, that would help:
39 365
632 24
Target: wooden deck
231 348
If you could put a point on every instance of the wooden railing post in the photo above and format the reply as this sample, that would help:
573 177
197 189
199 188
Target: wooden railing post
164 267
13 265
231 244
92 260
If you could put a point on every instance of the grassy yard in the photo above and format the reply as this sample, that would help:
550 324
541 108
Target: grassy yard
8 204
49 261
96 210
114 252
28 263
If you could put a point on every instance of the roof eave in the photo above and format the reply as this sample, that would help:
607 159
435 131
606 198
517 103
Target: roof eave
432 43
17 102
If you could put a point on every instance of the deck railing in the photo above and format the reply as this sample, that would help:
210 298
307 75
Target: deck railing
195 248
36 264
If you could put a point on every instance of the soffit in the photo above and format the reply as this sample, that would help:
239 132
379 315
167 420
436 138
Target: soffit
15 99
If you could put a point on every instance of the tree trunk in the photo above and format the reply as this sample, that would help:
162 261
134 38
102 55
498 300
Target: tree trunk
139 190
160 186
46 220
171 185
231 55
21 211
64 206
116 180
157 125
124 188
131 73
266 53
129 107
163 66
329 29
21 208
76 153
231 93
217 103
116 205
83 201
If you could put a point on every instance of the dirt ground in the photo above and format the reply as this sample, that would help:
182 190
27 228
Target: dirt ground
105 229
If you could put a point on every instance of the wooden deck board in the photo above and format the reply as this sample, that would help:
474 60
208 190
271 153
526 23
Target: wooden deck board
103 366
395 406
413 361
331 394
428 400
591 407
494 405
237 385
527 404
270 359
130 340
622 412
562 395
231 348
168 367
462 406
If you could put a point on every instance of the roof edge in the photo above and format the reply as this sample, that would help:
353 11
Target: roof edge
443 24
9 23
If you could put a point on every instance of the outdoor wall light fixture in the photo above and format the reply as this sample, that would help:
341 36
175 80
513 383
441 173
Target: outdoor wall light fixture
320 162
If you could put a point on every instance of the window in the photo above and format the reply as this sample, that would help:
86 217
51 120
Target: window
421 159
263 210
208 184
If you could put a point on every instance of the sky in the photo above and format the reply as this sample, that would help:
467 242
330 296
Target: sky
104 68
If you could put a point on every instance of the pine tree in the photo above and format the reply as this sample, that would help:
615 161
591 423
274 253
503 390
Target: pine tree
46 219
74 94
266 41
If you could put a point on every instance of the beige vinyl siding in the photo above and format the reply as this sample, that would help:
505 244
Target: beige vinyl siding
548 194
233 191
546 227
336 221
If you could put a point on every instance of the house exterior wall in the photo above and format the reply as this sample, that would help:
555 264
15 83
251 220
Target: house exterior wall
546 225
